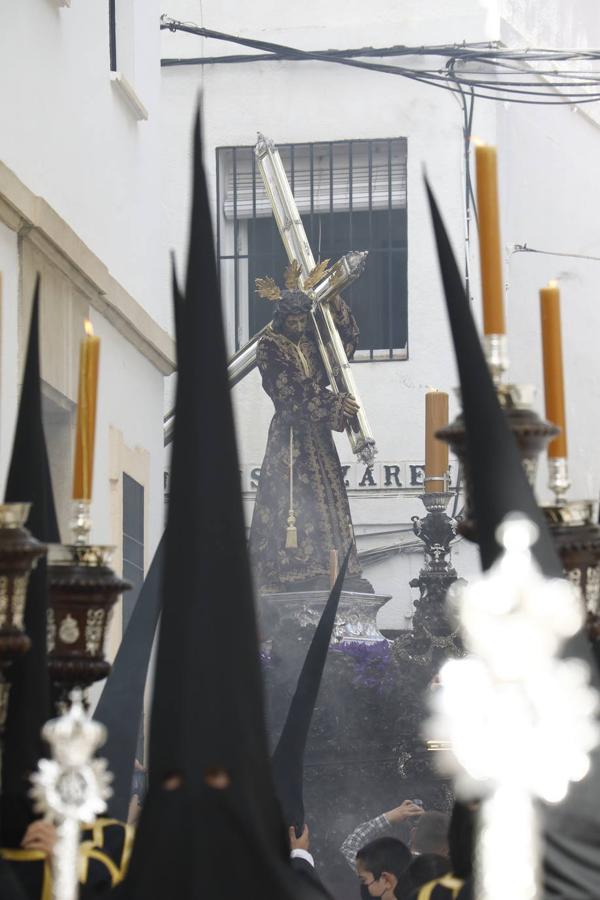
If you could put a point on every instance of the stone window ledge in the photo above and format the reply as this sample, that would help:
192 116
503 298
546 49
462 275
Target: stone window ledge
127 92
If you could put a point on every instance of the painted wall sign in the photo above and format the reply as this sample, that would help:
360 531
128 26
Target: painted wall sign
388 476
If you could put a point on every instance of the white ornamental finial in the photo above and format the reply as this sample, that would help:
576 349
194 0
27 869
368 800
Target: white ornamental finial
519 721
71 788
263 145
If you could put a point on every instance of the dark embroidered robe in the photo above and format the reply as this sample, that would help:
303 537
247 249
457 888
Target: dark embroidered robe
294 378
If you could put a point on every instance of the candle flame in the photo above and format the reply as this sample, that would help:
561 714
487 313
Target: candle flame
87 325
478 142
553 283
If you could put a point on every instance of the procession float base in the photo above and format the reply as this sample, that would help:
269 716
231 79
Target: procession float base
364 754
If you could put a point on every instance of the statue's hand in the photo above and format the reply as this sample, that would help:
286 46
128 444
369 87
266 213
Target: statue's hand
349 406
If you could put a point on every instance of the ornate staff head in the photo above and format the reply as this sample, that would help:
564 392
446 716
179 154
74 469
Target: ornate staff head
72 785
71 788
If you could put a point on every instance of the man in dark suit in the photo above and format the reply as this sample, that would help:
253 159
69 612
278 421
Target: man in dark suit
303 860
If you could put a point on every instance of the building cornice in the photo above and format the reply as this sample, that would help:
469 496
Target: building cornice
32 217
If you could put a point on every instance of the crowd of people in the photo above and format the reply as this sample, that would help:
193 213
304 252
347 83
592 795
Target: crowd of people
433 863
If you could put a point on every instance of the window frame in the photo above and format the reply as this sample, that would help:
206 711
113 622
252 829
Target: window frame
130 598
233 244
112 34
124 79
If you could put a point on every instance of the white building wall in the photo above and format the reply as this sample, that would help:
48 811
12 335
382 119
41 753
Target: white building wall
80 202
128 378
553 23
70 136
9 268
551 191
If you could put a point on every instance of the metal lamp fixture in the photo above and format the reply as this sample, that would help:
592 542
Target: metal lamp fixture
83 592
19 553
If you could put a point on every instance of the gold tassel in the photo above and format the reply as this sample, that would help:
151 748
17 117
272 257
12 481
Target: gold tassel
291 533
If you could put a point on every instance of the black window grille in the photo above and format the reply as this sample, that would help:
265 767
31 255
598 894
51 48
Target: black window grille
133 542
133 562
351 195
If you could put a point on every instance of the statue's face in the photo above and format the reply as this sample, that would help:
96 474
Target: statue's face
294 325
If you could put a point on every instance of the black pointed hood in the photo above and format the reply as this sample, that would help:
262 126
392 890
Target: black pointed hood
121 703
288 757
178 299
30 704
203 834
498 481
29 471
499 487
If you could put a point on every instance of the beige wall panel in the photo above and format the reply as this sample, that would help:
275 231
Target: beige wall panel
63 311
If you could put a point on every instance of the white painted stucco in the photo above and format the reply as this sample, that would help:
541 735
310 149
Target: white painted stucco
68 134
8 343
83 180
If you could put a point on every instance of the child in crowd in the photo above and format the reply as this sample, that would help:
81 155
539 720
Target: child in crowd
382 867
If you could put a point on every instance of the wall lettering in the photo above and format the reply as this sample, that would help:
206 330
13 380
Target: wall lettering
402 475
417 475
367 478
392 475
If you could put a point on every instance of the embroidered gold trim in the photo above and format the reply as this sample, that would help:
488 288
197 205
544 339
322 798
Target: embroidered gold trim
448 881
88 851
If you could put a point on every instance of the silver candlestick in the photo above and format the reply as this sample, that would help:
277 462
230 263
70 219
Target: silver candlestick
495 347
558 478
81 523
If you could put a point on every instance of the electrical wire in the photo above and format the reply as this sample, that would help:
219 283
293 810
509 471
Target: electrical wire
560 88
523 248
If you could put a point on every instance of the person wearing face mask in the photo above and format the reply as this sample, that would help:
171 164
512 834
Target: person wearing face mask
382 867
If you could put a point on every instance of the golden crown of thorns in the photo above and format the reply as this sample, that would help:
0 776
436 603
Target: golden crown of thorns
270 290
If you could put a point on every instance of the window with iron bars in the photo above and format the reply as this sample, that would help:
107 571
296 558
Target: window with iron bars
351 195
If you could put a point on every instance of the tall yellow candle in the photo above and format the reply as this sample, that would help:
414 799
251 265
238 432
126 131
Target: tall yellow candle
436 451
553 367
86 415
490 253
